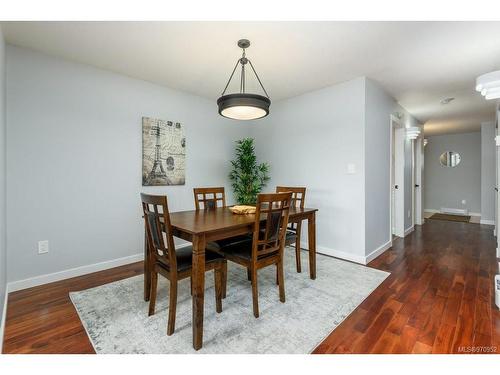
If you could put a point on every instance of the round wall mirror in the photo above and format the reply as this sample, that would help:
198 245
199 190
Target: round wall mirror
449 159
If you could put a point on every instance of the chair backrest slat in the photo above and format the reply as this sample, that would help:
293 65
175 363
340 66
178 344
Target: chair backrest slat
298 194
270 239
209 198
298 198
159 230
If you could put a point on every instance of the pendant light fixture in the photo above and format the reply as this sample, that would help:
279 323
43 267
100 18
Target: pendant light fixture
242 105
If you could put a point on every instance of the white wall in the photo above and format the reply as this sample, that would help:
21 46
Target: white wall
74 160
488 153
446 186
3 251
309 140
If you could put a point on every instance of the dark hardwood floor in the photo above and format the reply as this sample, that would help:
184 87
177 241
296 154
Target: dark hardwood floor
438 299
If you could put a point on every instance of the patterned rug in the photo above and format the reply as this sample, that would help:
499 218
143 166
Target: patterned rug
116 319
448 217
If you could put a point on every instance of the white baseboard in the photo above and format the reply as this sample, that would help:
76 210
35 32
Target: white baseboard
487 222
434 211
364 260
73 272
4 317
337 254
409 230
377 252
454 211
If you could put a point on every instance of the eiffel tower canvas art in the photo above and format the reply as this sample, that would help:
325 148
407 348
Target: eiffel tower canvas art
163 153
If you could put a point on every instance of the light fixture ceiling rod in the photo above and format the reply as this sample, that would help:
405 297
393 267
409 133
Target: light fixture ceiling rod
230 77
242 83
258 79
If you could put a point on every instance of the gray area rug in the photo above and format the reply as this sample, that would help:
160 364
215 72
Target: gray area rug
116 319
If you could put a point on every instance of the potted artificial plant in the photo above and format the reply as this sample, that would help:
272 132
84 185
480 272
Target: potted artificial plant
247 177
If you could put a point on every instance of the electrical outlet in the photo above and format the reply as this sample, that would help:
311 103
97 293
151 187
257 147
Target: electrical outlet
409 213
43 247
464 202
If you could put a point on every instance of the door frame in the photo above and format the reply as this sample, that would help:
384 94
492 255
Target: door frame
418 174
397 146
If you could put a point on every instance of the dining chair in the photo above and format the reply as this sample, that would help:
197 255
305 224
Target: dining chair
174 264
266 246
294 229
211 198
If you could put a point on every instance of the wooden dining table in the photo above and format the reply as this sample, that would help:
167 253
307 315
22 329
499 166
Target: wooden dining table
203 226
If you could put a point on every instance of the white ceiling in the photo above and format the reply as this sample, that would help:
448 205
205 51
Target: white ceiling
419 63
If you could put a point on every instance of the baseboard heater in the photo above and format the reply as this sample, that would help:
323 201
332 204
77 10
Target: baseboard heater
454 211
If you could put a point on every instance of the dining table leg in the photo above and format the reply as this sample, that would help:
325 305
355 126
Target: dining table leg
198 280
311 234
147 269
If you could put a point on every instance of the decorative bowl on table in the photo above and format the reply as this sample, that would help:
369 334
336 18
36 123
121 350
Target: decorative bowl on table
242 210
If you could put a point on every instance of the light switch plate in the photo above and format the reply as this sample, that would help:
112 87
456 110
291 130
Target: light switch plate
351 168
497 140
43 247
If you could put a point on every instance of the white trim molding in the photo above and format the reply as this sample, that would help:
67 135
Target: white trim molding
14 286
487 222
409 230
434 211
4 317
336 253
360 259
72 272
377 252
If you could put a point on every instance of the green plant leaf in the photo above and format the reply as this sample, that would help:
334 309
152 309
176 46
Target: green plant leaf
247 177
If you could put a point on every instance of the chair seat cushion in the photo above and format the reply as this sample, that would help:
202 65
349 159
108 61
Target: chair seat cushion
185 258
219 245
241 249
291 236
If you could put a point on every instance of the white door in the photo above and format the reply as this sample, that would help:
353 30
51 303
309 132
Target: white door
393 182
397 178
419 181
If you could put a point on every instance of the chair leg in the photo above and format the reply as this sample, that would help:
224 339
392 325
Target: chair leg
218 288
297 250
277 275
172 307
249 274
152 293
281 277
255 293
224 279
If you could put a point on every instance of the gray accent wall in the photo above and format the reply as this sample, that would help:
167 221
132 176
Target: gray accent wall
309 141
447 187
378 107
488 154
74 160
3 244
